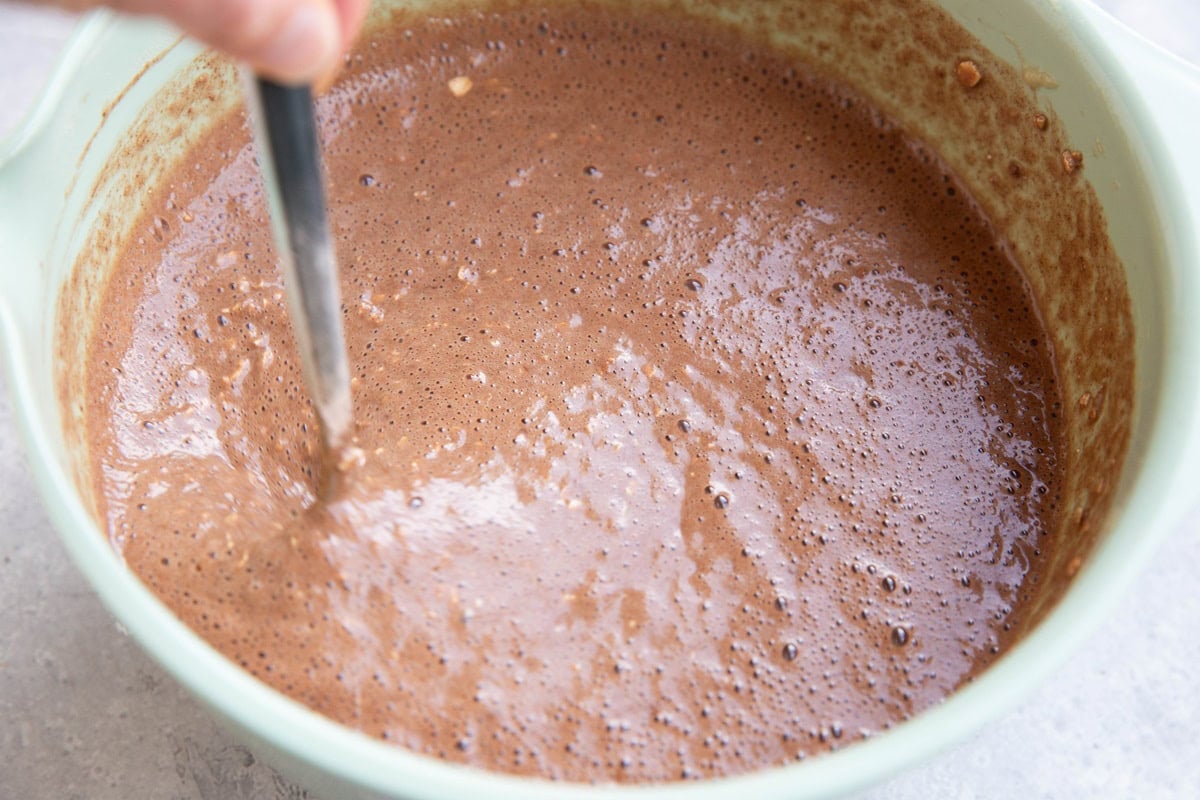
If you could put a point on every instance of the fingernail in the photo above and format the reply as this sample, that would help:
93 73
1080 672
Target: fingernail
305 47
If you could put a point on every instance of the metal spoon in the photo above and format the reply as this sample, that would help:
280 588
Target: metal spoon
291 165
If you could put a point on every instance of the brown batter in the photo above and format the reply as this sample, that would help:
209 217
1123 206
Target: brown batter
708 424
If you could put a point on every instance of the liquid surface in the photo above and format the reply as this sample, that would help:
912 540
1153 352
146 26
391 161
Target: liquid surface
707 424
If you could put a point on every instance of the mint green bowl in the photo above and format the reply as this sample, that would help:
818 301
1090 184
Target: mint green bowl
56 184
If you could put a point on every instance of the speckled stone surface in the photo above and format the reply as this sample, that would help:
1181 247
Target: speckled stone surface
84 714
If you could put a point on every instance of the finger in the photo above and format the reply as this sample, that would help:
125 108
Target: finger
351 13
292 41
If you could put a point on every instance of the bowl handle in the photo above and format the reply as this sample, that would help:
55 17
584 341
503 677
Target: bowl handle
44 157
30 190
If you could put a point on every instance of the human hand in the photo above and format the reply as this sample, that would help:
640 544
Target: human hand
291 41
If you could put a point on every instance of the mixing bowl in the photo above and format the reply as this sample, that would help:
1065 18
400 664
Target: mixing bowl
113 117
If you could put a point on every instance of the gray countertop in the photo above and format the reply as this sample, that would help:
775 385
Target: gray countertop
84 714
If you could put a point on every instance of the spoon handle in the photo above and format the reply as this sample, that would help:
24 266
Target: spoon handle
291 166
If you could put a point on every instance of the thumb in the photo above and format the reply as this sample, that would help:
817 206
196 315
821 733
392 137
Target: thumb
291 41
